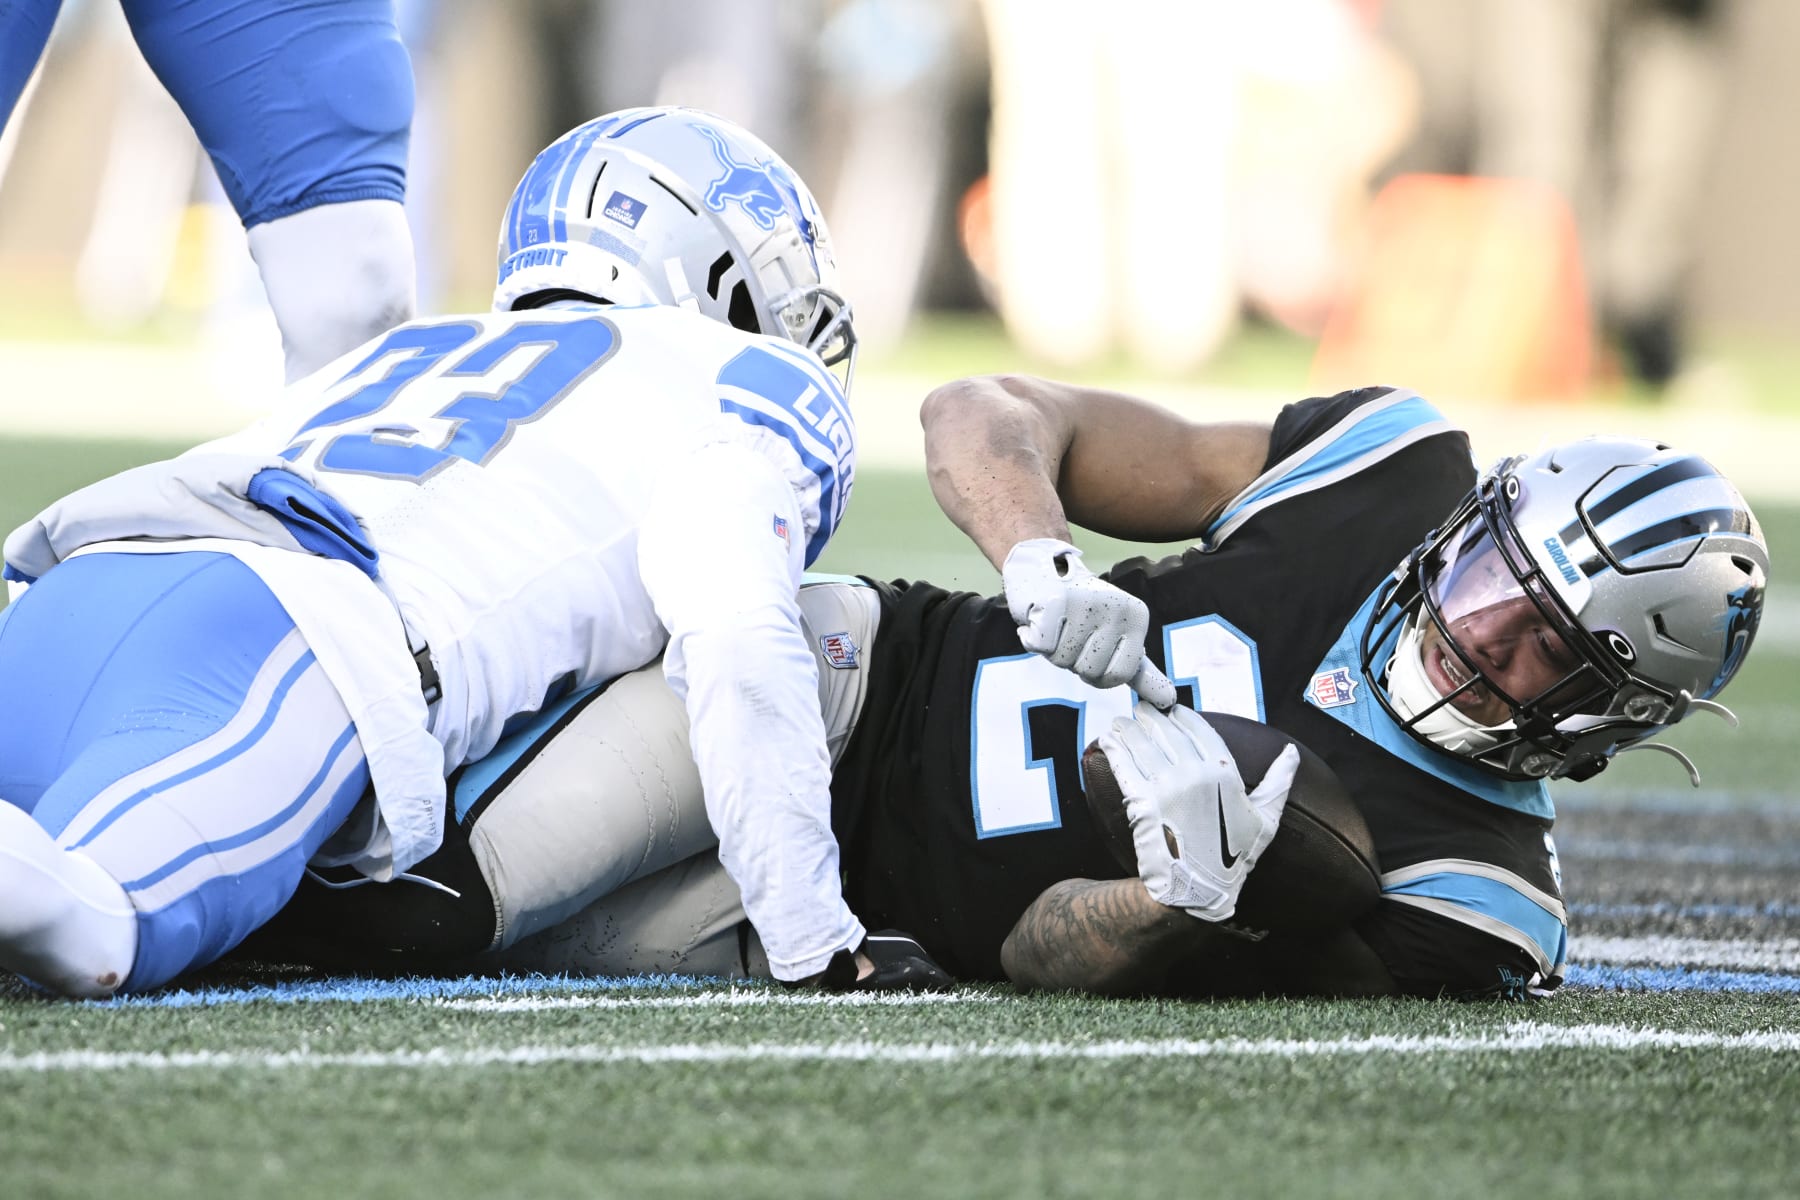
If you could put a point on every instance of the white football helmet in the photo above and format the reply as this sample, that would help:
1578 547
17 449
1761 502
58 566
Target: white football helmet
679 207
1616 583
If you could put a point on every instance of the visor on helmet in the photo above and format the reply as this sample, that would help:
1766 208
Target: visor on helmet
1488 660
1495 643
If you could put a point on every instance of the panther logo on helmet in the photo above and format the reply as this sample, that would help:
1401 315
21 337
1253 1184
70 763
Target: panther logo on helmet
1743 613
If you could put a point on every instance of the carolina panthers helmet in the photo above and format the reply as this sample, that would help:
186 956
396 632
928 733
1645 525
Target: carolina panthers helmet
1614 583
679 207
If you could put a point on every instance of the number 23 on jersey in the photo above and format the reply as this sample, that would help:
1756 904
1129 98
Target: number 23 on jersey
391 426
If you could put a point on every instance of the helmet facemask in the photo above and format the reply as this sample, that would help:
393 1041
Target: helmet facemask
1479 648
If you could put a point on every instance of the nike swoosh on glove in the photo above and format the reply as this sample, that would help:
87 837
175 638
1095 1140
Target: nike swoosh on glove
901 965
1079 621
1196 829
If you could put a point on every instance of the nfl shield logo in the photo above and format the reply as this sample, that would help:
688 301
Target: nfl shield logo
839 650
1332 689
781 528
624 209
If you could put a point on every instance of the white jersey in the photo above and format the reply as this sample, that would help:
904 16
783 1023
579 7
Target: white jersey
551 498
502 465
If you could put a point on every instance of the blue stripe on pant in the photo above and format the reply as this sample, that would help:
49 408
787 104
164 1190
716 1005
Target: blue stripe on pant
160 713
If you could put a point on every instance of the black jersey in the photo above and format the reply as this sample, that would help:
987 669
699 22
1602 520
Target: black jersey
958 799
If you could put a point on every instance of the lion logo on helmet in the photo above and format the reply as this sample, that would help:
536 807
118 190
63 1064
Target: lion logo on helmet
763 192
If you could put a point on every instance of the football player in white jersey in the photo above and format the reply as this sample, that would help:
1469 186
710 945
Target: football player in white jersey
439 535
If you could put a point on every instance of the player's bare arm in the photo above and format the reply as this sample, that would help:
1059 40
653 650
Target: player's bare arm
1105 936
1014 457
1108 937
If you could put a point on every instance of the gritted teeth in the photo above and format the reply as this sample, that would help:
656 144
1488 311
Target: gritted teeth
1453 668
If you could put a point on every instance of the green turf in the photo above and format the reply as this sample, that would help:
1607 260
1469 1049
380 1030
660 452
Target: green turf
1547 1124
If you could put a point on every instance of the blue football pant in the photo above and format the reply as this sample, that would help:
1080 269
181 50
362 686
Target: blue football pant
299 103
24 30
161 714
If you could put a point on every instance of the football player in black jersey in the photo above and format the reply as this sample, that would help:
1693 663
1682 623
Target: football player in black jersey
1446 640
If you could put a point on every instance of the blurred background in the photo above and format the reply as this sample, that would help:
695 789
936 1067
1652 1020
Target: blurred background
1548 215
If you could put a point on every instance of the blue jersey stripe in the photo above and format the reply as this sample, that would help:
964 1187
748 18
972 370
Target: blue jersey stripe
826 472
1495 900
1377 431
813 417
474 779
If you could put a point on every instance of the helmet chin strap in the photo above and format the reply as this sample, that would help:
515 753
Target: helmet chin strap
1412 693
1684 705
1693 772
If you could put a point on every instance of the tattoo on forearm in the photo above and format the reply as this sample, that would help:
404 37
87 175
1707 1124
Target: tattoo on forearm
1098 935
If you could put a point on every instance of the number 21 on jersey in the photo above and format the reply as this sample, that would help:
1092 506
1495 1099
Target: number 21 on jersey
1013 766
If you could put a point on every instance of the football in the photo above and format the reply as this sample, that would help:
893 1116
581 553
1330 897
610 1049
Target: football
1320 871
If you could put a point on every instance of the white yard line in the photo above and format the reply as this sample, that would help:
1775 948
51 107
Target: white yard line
1518 1038
1780 954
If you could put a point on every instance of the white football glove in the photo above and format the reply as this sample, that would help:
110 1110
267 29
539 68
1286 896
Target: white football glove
1079 621
1196 831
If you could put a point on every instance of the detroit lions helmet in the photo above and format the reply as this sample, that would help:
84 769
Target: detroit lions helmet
678 207
1577 602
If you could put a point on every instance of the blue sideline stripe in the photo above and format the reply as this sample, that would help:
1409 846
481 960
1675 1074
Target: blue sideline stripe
1678 979
251 834
1698 912
356 990
1492 898
1699 802
1771 857
248 740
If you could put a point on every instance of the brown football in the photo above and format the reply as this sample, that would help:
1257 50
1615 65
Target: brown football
1319 873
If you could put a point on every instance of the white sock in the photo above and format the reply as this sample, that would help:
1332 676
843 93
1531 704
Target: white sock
64 922
336 276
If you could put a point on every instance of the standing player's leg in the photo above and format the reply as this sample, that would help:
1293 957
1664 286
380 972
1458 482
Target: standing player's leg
306 111
181 755
24 31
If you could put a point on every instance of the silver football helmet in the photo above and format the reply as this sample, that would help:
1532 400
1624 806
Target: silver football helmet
1577 602
679 207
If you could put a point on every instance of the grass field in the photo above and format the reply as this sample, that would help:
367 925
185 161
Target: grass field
1669 1065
